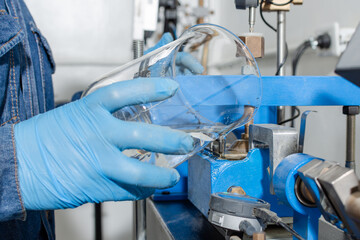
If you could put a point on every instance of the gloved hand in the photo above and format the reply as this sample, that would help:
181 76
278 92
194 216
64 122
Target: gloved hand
72 155
185 63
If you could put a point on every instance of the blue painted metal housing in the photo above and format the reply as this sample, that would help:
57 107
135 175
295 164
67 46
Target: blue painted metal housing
209 175
309 91
306 219
295 90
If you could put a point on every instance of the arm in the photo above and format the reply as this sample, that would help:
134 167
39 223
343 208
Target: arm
72 155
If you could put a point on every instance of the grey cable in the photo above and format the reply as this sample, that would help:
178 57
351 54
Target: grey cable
269 216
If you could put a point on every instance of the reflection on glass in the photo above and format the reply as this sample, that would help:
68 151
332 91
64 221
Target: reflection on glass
211 100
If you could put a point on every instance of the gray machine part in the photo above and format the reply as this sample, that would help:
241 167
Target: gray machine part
157 227
339 184
349 63
281 55
350 112
235 212
178 220
328 231
282 141
302 130
243 4
252 5
338 193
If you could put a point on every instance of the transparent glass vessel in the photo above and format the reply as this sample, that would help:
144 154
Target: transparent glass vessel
220 88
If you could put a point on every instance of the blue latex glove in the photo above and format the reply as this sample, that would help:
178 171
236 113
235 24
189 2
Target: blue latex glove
72 155
185 63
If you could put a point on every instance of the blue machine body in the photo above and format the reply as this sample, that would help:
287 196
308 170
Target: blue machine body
305 219
265 114
206 174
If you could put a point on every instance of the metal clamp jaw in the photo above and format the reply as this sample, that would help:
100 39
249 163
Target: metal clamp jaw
336 191
281 141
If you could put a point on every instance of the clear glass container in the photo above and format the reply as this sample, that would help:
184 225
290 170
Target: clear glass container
220 88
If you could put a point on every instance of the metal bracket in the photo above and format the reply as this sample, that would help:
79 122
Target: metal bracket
302 130
281 141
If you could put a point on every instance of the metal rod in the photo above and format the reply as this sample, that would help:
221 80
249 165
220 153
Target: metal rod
281 51
350 141
140 219
281 41
252 18
98 222
140 205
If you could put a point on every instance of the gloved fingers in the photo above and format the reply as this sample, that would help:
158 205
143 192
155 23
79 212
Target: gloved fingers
190 62
133 174
132 92
125 192
148 137
136 193
142 193
165 39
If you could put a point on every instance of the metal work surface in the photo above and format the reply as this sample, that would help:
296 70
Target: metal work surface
177 220
181 220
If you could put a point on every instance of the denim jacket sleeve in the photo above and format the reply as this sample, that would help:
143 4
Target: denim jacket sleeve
11 206
26 66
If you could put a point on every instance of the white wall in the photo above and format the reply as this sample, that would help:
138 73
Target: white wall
91 37
88 39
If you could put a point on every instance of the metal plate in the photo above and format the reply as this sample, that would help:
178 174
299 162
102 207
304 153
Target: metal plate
178 220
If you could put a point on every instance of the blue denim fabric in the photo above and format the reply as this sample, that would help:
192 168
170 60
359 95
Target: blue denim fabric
26 65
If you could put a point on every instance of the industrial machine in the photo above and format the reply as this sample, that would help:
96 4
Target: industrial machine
242 186
274 172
